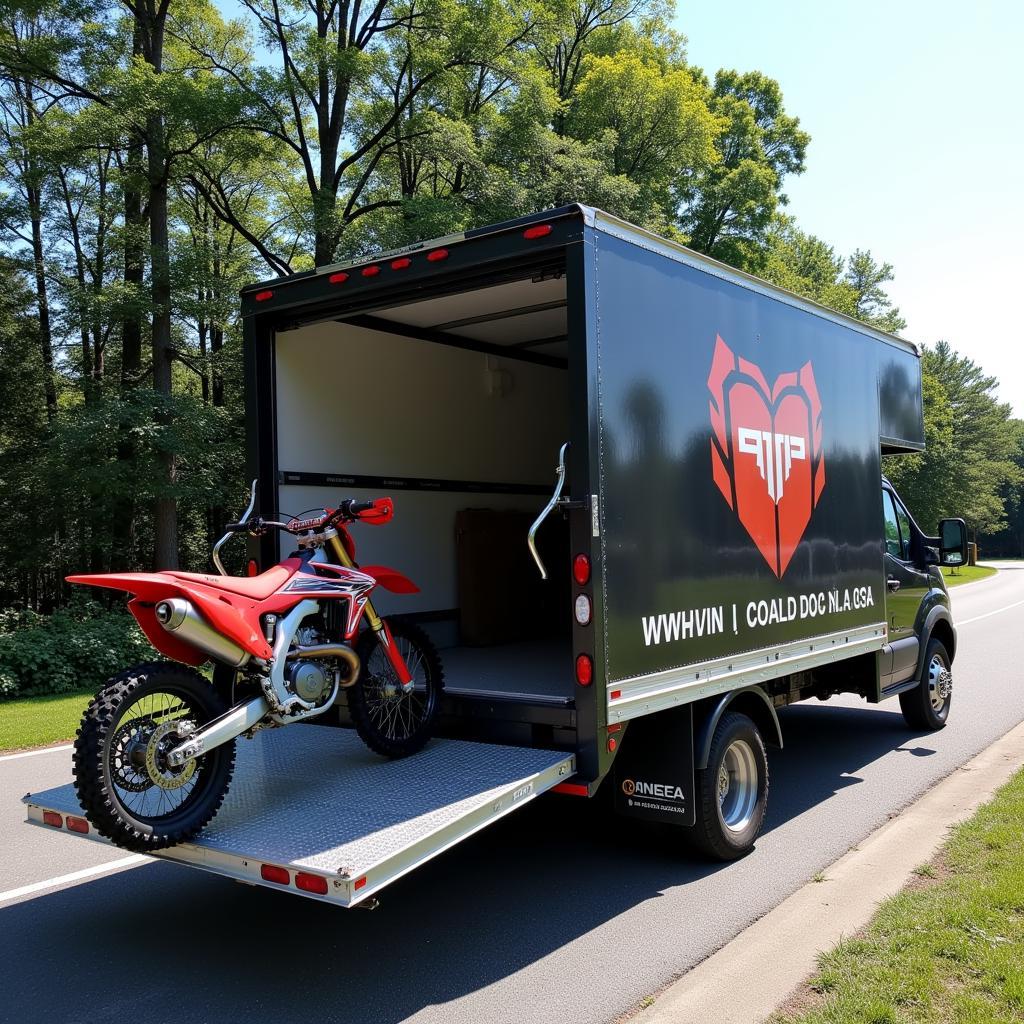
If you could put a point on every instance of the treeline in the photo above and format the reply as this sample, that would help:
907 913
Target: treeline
155 156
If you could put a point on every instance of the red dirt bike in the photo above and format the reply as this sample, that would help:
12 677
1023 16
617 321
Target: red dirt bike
155 752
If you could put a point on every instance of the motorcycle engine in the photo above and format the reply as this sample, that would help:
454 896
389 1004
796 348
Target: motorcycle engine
311 679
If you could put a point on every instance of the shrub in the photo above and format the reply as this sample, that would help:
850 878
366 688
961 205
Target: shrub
76 648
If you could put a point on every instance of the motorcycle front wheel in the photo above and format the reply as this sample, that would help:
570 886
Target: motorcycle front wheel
390 722
125 785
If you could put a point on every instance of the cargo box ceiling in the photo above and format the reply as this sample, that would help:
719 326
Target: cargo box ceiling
522 317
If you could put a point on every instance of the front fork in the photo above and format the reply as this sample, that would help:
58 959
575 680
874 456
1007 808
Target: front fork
376 623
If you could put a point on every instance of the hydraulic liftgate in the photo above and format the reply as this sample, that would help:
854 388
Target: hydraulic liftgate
312 811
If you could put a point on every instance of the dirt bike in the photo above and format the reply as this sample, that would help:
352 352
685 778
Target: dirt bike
156 749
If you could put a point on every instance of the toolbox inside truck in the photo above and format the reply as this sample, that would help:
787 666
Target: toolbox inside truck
456 406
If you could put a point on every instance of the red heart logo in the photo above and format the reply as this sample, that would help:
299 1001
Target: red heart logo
766 455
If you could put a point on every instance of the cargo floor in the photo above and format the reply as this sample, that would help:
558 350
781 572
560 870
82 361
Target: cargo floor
539 672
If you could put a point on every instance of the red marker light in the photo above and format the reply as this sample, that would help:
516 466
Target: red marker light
584 670
581 569
263 296
612 744
400 264
272 873
615 695
53 818
371 271
311 883
78 825
359 883
437 254
537 231
340 278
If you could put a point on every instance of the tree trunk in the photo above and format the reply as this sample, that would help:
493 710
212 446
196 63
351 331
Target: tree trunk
43 302
123 505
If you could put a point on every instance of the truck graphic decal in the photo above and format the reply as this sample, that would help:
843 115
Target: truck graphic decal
766 450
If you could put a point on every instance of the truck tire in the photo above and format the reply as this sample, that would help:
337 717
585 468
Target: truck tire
732 792
127 791
926 707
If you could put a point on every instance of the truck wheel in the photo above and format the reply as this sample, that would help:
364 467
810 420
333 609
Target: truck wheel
926 706
125 786
732 792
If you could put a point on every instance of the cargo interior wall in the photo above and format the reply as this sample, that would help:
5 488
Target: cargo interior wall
465 442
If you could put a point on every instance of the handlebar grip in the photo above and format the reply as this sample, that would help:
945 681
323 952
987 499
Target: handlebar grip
236 528
355 508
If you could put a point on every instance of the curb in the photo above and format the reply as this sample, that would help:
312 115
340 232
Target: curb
733 985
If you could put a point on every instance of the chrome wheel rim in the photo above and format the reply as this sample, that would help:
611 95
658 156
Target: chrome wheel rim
737 786
940 683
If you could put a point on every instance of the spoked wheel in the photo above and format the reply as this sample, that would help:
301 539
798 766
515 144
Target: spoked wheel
389 721
127 787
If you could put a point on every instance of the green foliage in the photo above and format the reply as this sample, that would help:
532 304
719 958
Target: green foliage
729 206
76 648
974 453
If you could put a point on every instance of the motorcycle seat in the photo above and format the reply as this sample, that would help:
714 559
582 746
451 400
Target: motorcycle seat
255 588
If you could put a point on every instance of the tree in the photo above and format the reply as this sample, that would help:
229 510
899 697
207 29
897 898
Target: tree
972 458
872 305
727 208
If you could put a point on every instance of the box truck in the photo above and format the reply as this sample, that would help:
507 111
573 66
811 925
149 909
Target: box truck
642 495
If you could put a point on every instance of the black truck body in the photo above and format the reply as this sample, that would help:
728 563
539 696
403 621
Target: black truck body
725 543
723 467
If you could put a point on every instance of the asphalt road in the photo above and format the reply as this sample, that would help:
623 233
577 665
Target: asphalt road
556 914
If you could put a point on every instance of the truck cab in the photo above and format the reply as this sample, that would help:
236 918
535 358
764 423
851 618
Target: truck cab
917 607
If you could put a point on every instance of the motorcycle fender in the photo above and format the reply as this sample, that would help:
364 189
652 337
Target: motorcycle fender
390 579
224 612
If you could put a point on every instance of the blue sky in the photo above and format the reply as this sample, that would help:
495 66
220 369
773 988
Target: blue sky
917 148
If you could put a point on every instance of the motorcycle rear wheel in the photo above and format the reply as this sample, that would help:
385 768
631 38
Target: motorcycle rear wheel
124 784
390 722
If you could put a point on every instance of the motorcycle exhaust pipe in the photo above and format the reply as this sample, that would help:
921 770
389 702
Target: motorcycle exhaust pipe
181 618
341 651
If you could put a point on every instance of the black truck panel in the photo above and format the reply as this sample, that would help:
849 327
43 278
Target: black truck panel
739 435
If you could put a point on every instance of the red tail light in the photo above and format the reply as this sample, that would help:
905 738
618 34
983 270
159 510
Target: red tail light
311 883
371 271
612 744
53 818
400 264
263 296
272 873
437 254
584 670
537 231
581 570
359 883
78 825
340 278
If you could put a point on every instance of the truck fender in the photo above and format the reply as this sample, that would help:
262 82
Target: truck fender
751 701
939 623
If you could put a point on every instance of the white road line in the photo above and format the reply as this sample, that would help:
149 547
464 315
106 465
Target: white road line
75 876
978 618
35 753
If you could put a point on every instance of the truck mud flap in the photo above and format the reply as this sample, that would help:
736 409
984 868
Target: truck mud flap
653 773
311 811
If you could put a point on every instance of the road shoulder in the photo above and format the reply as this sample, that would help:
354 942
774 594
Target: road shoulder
733 987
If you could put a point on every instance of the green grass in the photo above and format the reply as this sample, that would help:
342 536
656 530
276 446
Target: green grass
966 574
948 948
37 721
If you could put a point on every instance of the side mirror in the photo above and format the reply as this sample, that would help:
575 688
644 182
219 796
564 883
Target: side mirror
952 542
